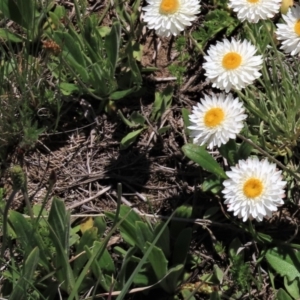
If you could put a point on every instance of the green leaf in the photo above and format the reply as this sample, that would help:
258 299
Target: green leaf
68 88
112 44
199 155
121 94
212 184
211 212
100 224
127 258
6 35
162 102
143 233
137 118
229 152
293 287
127 227
164 240
11 11
158 261
29 237
284 261
244 150
181 247
218 273
282 295
27 10
185 212
72 52
185 116
130 138
87 239
233 249
142 262
59 225
163 129
126 121
59 220
20 290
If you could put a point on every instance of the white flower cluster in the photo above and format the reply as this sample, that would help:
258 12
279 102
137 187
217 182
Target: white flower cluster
254 188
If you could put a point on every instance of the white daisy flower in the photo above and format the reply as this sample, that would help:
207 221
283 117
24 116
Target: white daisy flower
216 120
254 189
232 64
289 32
255 10
169 17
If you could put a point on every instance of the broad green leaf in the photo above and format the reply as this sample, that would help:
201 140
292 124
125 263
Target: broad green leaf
29 268
29 237
27 10
137 51
233 249
72 52
121 94
127 227
158 261
211 212
164 241
130 138
130 215
137 118
11 11
181 247
229 152
218 273
104 31
212 184
106 263
127 258
86 240
136 78
10 36
112 44
282 295
68 88
185 212
59 220
143 233
100 223
59 225
142 261
199 155
244 150
162 102
93 254
285 262
292 287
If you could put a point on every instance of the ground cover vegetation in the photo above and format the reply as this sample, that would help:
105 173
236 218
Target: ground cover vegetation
149 149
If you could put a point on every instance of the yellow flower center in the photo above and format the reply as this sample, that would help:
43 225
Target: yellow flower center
253 188
297 27
253 1
231 60
168 7
214 117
